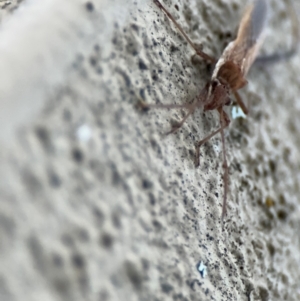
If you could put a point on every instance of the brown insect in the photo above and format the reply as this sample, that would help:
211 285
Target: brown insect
227 78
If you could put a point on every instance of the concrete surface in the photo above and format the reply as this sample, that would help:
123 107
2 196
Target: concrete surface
96 203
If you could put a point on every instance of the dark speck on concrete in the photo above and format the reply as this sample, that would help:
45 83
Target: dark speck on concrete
116 220
78 261
54 180
166 288
89 6
125 77
99 216
93 61
67 240
57 260
154 76
77 155
174 48
44 137
142 65
147 184
133 274
135 27
67 116
106 240
152 199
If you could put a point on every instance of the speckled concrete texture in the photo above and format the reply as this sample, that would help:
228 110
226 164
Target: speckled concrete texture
98 204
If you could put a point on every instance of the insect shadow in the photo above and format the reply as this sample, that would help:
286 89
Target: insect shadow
229 75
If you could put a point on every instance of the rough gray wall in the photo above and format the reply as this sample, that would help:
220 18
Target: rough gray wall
96 203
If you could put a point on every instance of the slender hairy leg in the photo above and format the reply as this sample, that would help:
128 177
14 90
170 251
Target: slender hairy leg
197 49
144 106
177 126
240 102
191 107
224 123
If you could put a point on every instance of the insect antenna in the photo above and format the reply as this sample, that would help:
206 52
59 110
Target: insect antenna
283 56
196 48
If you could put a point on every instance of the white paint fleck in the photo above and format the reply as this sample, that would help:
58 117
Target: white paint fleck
237 112
84 133
202 268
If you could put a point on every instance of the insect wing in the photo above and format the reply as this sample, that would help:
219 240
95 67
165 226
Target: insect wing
245 48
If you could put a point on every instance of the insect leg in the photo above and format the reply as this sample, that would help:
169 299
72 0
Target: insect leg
224 123
177 126
224 120
191 107
240 102
196 48
144 106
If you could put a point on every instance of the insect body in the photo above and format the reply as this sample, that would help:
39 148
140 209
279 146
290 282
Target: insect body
228 76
